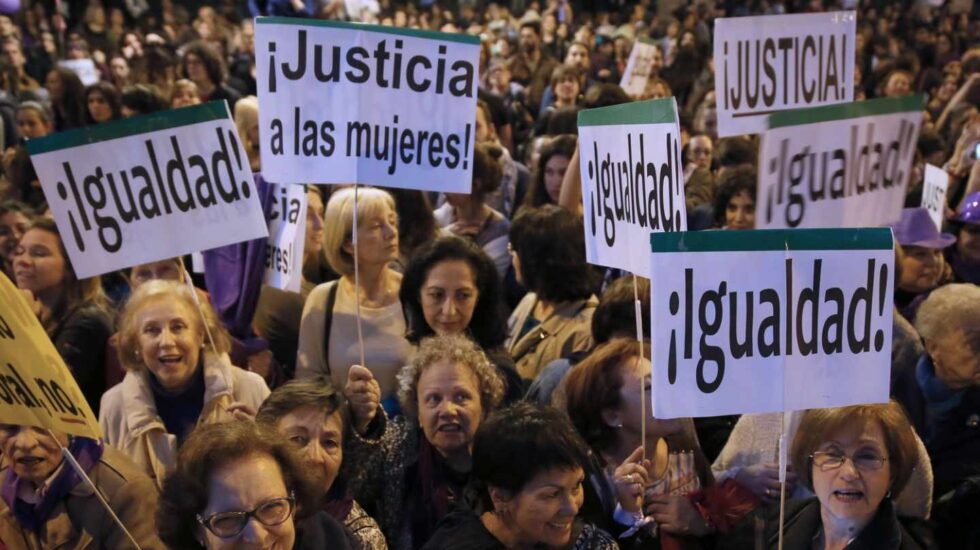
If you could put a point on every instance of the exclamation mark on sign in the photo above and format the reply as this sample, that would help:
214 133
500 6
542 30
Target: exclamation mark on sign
466 148
882 286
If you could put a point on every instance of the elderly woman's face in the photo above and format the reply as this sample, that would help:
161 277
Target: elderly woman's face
377 237
956 364
170 340
544 510
921 268
449 406
850 493
31 452
449 296
254 482
319 437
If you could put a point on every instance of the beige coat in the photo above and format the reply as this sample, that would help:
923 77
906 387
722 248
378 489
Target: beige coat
131 424
80 522
567 330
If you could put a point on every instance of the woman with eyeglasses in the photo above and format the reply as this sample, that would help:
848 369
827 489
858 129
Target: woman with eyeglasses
854 459
242 485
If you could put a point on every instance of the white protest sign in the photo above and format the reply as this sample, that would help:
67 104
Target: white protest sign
770 63
934 194
837 166
638 67
148 188
632 180
774 320
287 232
84 68
343 103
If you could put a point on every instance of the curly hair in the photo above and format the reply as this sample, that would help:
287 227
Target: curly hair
209 57
210 448
460 350
172 291
733 182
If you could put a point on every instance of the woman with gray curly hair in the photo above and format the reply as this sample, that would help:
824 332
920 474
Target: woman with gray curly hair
411 467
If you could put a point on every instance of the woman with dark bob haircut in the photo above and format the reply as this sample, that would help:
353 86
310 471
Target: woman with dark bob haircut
534 505
854 459
452 287
241 483
554 318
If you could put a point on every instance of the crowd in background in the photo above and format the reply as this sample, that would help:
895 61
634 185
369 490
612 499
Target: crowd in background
496 400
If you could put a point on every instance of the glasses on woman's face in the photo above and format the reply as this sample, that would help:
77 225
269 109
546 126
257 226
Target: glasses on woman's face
862 460
269 513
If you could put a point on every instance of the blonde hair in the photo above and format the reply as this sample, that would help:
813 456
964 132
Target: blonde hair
460 350
338 227
172 291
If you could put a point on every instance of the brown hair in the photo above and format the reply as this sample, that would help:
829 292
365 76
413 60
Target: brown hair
593 386
208 449
301 393
486 169
75 292
565 70
818 425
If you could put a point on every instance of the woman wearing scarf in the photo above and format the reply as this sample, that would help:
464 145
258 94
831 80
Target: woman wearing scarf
46 504
413 467
178 377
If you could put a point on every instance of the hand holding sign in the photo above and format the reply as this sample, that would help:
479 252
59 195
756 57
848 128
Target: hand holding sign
675 514
363 395
631 478
763 480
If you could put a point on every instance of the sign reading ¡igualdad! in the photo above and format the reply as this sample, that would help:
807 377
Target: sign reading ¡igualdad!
839 165
148 188
770 320
632 180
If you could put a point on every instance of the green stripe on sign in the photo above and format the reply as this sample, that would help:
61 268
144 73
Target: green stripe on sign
143 124
654 111
414 33
844 111
872 238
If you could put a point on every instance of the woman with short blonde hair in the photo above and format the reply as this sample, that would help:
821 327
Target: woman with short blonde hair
328 333
178 377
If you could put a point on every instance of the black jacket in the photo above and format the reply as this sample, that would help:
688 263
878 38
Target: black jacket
803 522
320 531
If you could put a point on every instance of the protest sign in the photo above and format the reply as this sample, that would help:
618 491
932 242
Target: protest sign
148 188
345 103
36 388
839 165
771 63
287 230
934 194
638 67
765 321
86 70
632 180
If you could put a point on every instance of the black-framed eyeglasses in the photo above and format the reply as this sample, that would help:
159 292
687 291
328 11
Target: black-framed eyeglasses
828 460
270 513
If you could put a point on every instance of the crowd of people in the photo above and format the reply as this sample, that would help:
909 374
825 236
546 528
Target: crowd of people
477 384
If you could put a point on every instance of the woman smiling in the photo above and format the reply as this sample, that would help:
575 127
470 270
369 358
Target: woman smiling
174 382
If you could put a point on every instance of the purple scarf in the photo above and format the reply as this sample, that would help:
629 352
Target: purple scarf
34 516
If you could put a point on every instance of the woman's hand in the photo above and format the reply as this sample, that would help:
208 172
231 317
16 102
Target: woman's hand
675 514
763 480
363 397
241 411
631 478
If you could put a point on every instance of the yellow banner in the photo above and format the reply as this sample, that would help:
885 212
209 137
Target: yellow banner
36 388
